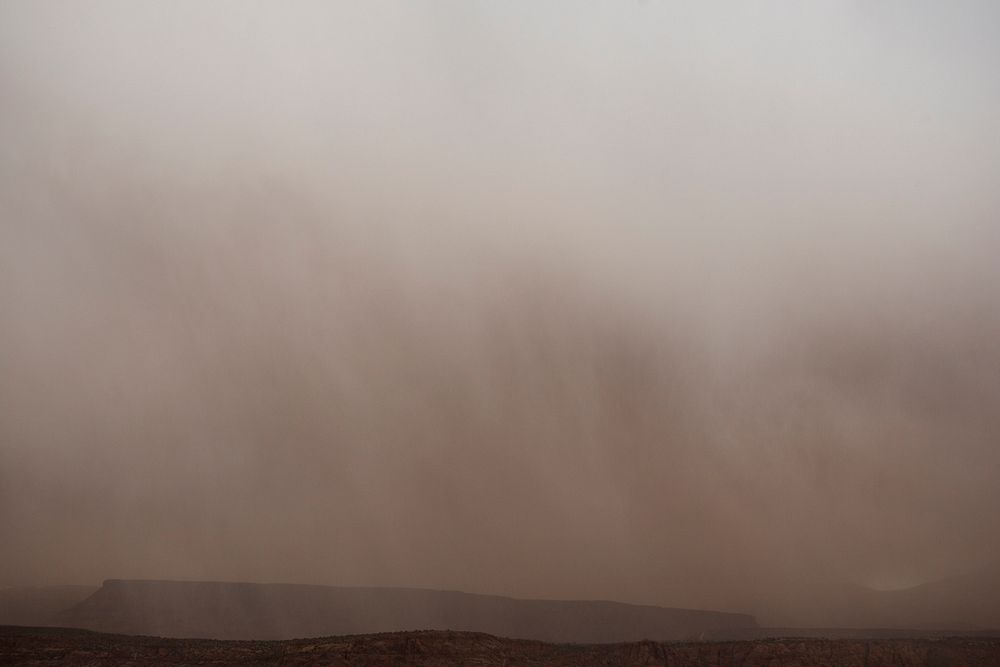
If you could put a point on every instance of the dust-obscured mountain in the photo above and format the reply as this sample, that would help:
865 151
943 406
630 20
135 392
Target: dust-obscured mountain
38 605
282 611
969 601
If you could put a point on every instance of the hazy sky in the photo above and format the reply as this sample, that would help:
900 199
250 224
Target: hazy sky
693 304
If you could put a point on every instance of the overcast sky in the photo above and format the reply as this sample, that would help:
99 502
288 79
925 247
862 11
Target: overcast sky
693 304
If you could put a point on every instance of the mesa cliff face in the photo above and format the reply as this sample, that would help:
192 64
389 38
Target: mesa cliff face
283 611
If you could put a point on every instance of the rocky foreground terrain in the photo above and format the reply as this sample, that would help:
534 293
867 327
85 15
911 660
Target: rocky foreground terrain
50 646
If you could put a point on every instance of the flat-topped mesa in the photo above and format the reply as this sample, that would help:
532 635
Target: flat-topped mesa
280 611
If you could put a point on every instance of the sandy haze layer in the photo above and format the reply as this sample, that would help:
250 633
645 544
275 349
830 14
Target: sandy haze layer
665 303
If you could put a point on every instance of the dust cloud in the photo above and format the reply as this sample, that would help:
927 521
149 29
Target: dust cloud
688 304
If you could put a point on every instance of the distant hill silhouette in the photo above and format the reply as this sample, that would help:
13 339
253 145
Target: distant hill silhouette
39 605
964 604
966 601
283 611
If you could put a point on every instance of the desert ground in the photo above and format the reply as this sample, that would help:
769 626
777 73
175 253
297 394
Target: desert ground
49 646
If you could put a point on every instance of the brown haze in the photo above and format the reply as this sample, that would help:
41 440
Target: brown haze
682 304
